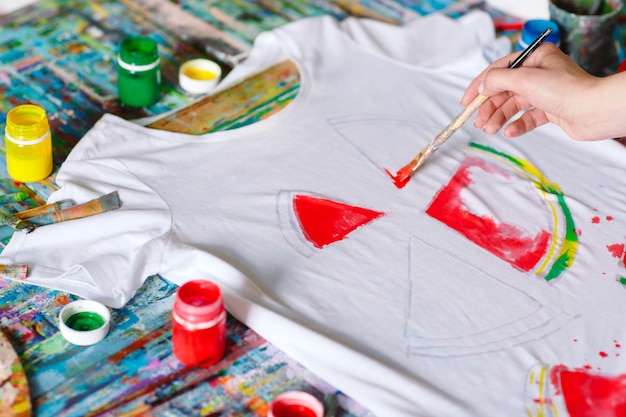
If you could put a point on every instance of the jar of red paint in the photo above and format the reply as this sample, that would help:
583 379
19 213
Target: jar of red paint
199 323
295 404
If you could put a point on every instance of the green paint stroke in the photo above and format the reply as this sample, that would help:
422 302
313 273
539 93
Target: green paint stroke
622 280
569 246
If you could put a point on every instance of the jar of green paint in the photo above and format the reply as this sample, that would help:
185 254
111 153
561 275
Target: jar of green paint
138 72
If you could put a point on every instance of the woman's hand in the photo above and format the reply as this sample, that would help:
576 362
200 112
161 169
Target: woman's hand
549 87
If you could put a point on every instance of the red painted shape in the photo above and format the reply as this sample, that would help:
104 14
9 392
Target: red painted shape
324 221
589 395
595 220
617 249
603 354
506 241
609 218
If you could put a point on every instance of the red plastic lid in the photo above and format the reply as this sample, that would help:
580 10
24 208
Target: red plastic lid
296 404
198 301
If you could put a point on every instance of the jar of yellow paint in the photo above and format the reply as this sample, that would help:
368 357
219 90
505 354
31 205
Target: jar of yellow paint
28 143
199 76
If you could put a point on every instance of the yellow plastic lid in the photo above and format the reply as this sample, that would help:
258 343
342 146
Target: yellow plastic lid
27 122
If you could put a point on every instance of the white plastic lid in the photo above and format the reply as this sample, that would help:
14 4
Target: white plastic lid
84 322
199 76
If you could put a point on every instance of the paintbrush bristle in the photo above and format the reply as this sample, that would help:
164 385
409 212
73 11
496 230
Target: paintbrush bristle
7 219
110 201
403 176
24 226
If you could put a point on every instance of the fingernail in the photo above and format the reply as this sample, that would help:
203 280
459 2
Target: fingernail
481 87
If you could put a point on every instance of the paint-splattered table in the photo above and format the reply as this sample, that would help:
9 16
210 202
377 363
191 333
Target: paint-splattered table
60 54
133 371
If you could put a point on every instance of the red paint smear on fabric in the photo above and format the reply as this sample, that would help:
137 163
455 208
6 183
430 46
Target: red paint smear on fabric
324 221
595 220
617 250
609 218
402 177
506 241
603 354
588 395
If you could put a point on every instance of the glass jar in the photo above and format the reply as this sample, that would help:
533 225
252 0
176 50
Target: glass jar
28 143
589 36
138 72
198 323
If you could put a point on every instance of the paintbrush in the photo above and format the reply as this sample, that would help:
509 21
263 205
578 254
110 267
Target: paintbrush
17 221
14 271
99 205
7 219
41 210
404 174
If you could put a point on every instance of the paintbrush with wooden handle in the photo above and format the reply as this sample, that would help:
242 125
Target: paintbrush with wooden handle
7 219
405 173
46 209
99 205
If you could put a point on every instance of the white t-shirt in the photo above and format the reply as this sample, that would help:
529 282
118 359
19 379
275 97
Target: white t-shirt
443 298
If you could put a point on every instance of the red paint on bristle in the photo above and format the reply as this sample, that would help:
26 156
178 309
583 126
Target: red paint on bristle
402 177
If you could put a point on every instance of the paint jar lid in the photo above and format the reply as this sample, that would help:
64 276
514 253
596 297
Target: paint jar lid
26 122
198 301
535 27
84 322
296 404
138 51
199 76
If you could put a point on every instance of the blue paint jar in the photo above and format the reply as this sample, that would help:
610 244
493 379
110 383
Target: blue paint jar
533 28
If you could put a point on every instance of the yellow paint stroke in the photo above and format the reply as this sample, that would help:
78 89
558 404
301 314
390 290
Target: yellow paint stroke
553 245
539 377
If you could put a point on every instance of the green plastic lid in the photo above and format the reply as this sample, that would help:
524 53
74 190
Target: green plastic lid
139 50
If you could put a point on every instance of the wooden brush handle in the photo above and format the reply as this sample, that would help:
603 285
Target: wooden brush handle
456 123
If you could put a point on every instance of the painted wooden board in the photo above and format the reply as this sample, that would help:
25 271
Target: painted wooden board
14 392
